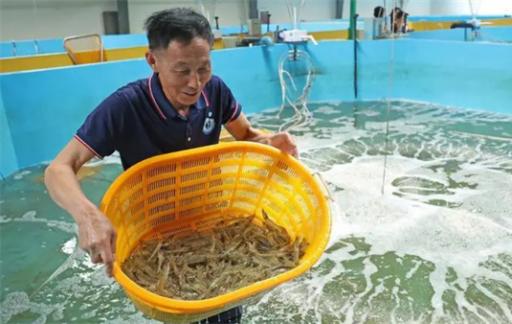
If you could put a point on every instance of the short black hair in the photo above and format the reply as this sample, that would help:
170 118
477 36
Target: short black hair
397 12
180 24
378 12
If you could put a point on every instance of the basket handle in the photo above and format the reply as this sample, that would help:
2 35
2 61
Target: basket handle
328 194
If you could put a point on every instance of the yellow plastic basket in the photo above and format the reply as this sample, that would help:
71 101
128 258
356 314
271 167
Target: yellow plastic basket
193 190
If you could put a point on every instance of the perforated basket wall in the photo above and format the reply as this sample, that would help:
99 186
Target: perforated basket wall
195 189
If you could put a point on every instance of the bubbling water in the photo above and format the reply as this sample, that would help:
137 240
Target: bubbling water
429 242
434 246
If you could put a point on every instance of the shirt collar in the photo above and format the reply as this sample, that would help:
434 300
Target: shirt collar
163 106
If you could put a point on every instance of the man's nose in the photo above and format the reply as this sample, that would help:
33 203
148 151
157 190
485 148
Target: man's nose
194 80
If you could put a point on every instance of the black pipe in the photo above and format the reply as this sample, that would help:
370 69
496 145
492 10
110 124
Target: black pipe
253 9
338 12
465 25
123 17
354 38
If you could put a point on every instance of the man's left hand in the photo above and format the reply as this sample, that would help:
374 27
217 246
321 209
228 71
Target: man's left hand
284 142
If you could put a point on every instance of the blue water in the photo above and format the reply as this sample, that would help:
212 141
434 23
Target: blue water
422 227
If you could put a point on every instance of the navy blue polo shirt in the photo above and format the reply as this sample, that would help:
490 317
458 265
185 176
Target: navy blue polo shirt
138 121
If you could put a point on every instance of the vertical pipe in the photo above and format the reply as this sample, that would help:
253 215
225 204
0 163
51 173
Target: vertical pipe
122 17
339 9
253 9
352 28
355 57
295 18
352 34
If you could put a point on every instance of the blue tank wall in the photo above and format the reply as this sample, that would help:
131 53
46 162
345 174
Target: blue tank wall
41 110
489 34
8 160
454 18
443 34
46 46
124 41
31 47
462 74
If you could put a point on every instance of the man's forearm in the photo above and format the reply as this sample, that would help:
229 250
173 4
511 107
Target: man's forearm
255 135
65 190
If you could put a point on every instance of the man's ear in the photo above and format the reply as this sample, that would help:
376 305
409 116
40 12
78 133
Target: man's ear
150 58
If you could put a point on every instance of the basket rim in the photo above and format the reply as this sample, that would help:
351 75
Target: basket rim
177 306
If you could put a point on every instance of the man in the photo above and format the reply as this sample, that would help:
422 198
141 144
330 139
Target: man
398 20
379 24
180 106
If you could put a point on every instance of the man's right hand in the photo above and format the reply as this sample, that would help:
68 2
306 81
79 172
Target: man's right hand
98 238
95 232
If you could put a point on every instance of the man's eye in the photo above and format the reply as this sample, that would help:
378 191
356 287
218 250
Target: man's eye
182 72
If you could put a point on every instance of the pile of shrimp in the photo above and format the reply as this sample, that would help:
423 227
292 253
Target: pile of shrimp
207 264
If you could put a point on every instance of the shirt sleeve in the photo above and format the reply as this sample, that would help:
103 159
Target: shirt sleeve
231 109
98 131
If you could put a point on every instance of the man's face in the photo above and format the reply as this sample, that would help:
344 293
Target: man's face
183 70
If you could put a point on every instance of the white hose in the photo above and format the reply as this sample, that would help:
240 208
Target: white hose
294 7
302 116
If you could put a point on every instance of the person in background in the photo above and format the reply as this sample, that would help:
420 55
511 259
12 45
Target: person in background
405 26
180 106
397 16
379 24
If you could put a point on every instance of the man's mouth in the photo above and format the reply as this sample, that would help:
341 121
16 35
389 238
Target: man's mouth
191 94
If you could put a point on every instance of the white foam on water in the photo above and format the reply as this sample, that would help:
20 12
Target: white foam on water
390 223
30 217
114 158
327 110
405 219
368 270
69 246
18 302
446 237
490 197
458 239
20 175
14 303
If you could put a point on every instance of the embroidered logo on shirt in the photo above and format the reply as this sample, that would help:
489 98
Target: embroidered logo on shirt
209 124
